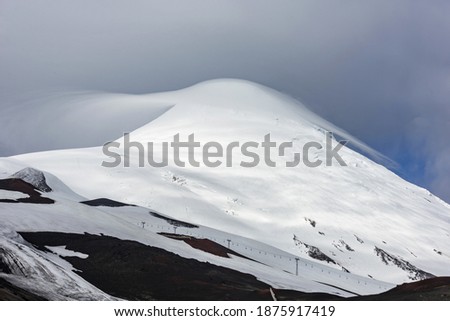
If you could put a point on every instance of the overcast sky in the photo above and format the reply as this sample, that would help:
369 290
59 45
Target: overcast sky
378 69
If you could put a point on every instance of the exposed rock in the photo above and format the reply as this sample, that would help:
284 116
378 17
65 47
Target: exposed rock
314 252
173 221
34 177
359 239
414 272
310 221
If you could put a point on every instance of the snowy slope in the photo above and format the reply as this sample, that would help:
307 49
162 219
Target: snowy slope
363 217
37 270
44 274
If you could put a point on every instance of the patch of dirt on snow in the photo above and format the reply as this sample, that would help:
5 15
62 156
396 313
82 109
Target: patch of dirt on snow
205 245
18 185
105 202
134 271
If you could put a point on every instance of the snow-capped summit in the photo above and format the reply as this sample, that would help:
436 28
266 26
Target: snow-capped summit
356 217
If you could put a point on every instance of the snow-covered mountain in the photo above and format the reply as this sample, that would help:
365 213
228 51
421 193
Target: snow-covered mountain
355 229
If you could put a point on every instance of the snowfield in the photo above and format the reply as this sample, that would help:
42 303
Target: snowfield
11 195
355 229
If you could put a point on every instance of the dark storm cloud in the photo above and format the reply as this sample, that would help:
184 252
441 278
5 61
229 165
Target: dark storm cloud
379 69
